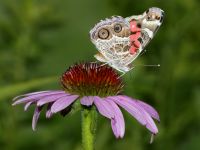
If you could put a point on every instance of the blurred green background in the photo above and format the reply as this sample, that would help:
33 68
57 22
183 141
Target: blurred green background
40 39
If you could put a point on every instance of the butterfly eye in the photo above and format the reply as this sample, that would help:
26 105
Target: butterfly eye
153 17
117 28
157 18
103 33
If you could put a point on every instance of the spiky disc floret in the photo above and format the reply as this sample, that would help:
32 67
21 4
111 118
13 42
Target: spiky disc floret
89 79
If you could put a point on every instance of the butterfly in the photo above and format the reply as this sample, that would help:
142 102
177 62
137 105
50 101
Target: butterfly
120 40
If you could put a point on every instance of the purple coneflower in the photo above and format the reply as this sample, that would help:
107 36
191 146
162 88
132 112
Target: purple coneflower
94 86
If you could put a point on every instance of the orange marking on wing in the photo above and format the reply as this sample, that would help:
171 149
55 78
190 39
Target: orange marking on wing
136 33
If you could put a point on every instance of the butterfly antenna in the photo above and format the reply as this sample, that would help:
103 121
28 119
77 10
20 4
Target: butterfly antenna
94 62
158 65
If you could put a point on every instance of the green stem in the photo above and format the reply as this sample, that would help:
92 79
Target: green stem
89 123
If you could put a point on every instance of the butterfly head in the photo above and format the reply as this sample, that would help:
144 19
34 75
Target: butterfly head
143 28
150 20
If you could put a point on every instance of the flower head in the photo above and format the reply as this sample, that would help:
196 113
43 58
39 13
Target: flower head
91 79
92 84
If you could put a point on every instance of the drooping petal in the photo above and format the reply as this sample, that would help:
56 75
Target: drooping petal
87 100
35 117
133 110
39 92
48 112
35 97
27 106
29 94
149 123
36 93
50 98
149 109
117 123
62 103
103 107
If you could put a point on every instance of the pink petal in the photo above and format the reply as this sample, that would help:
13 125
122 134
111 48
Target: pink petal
117 123
149 109
149 123
39 92
27 106
35 97
132 109
29 94
36 93
50 98
48 112
87 100
35 117
104 107
62 103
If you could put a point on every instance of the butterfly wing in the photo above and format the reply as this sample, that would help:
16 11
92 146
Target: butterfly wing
120 40
145 25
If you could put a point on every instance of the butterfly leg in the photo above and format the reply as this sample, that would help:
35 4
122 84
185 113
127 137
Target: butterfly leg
94 62
122 75
103 64
124 72
131 68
